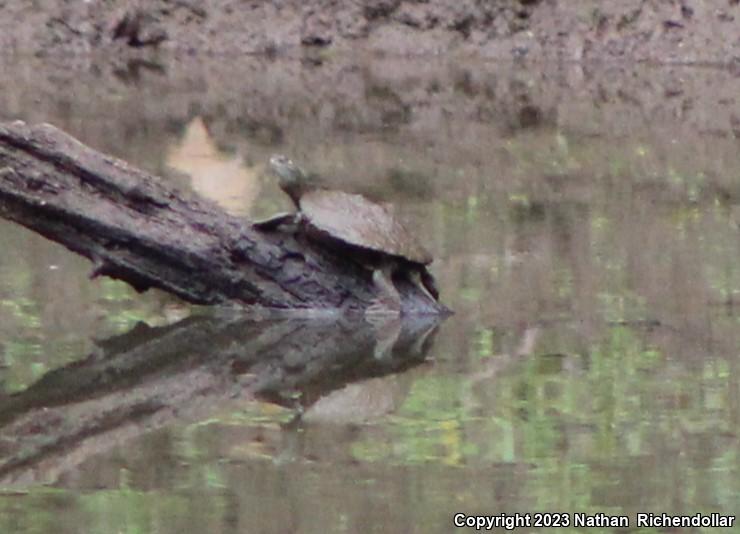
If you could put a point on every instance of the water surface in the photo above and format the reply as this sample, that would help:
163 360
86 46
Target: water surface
585 225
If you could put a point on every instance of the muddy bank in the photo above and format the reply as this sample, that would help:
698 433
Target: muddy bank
685 31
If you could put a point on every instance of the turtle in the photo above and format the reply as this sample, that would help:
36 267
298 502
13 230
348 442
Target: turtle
352 222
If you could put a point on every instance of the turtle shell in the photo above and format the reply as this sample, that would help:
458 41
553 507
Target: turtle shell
357 221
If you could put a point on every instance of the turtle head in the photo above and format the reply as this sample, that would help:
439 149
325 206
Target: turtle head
291 178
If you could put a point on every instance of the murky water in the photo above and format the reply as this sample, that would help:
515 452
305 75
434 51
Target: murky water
585 225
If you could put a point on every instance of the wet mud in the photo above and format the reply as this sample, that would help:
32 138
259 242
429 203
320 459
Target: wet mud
675 31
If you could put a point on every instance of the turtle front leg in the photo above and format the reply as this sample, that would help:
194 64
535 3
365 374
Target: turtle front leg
389 301
277 220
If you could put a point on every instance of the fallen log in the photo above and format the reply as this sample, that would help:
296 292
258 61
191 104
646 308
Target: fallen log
139 229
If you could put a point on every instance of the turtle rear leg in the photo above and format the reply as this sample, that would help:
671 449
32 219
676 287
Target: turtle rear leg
277 220
425 282
389 301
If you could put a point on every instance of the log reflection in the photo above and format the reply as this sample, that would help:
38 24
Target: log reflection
154 377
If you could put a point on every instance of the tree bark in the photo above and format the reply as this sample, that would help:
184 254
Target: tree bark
139 229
